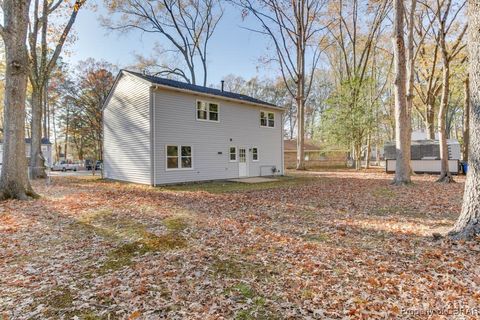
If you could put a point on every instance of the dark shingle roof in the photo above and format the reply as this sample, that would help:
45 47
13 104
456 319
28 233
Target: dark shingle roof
291 145
199 89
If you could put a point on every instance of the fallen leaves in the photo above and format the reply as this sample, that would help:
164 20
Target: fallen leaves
328 245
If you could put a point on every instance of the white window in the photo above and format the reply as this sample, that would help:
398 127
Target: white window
179 157
263 119
233 154
202 113
255 154
207 111
213 112
267 119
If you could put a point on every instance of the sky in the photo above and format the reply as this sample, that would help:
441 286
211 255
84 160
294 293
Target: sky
233 49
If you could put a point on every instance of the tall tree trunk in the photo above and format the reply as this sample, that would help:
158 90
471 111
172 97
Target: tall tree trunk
358 156
402 132
369 151
468 223
66 132
37 163
14 180
466 120
46 115
430 118
300 87
410 77
42 68
445 175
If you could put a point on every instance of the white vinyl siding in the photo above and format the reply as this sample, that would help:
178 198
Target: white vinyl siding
126 151
239 127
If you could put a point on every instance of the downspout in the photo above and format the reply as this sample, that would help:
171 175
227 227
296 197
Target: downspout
282 155
103 144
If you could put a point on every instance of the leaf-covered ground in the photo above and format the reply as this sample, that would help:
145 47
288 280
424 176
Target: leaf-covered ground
320 246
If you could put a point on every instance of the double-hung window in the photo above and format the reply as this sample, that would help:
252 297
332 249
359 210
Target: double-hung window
233 154
179 157
267 119
255 154
207 111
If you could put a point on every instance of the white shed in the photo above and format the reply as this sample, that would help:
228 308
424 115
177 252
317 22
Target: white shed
46 150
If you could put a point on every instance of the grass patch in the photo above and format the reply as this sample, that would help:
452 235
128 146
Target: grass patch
122 257
383 193
227 268
62 299
175 223
237 269
133 237
228 186
317 237
257 304
397 211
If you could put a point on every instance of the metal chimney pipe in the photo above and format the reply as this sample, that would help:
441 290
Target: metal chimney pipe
223 84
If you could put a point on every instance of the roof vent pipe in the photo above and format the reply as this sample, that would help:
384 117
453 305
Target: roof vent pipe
223 84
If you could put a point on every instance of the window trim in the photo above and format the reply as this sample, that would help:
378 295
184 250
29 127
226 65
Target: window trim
258 154
179 157
229 154
267 113
208 102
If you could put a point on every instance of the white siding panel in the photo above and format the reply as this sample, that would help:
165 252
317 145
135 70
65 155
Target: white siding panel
127 132
239 125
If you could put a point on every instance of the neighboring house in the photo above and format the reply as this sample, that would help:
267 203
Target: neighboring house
159 131
315 156
312 152
46 150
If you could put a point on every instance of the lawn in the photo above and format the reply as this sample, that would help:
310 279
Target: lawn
318 245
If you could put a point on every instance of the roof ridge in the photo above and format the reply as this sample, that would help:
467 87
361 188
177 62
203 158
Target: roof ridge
199 89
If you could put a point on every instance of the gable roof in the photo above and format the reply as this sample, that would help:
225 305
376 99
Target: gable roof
291 145
200 89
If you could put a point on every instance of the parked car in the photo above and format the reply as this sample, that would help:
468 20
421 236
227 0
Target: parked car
64 166
89 164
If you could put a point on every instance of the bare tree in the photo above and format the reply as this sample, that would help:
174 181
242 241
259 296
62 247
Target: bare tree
43 61
402 116
295 29
14 180
187 25
357 48
468 223
445 14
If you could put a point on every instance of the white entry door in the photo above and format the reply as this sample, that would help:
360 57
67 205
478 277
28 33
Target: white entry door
242 162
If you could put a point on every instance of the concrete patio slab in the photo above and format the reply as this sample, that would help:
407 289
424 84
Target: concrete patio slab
253 180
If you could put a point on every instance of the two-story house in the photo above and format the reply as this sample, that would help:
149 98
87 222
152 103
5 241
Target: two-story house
160 131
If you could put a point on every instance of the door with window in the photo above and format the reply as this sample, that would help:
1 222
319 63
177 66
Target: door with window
242 162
